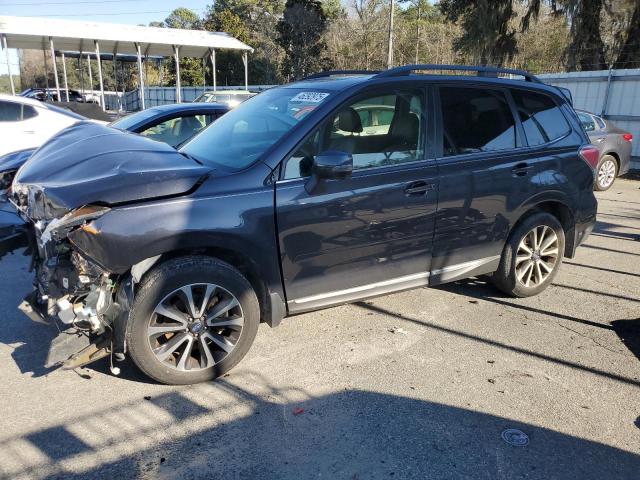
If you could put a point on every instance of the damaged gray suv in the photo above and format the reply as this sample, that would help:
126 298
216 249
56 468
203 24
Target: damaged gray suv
340 187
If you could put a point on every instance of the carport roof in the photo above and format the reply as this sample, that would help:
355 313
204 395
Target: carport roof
34 33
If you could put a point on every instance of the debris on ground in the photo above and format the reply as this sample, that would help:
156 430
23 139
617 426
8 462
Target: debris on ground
298 411
398 330
515 437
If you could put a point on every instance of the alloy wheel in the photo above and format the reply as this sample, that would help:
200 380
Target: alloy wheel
195 327
537 256
606 174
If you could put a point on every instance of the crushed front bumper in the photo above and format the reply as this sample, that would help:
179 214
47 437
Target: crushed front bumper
71 348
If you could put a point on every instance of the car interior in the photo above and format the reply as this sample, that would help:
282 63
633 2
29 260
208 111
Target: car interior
370 147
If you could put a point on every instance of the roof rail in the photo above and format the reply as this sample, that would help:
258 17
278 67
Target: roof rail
335 73
482 71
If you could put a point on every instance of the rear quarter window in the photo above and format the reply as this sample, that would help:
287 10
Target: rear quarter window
542 119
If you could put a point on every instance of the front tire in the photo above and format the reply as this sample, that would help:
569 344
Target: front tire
193 319
531 257
606 173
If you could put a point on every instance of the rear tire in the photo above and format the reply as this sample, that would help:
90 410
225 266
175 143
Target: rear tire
531 257
606 173
192 319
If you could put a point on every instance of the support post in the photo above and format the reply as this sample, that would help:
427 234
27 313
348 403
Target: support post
95 42
90 75
140 78
114 61
6 52
176 54
605 102
64 73
80 69
245 60
213 67
55 68
390 45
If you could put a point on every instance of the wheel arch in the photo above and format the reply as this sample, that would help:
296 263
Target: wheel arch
613 154
272 307
562 213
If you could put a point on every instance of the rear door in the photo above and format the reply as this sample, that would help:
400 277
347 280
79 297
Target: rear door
371 233
500 148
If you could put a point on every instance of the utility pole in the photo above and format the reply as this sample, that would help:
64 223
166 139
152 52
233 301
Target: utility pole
390 47
418 33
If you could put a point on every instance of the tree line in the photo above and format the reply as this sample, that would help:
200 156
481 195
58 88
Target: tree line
295 38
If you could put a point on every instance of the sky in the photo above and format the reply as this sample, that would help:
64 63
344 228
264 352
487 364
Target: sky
113 11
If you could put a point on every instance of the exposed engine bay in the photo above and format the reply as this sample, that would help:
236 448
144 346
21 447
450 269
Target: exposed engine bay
74 179
70 290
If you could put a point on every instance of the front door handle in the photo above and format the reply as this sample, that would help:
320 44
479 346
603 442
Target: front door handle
418 188
521 169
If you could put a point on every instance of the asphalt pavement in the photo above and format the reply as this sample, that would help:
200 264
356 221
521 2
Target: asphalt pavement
420 384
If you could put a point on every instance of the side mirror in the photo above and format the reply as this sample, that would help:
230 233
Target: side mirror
329 165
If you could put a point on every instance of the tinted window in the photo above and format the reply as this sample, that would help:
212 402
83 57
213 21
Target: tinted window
176 130
28 112
541 118
475 120
377 131
10 112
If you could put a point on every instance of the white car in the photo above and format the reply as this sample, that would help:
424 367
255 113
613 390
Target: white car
27 123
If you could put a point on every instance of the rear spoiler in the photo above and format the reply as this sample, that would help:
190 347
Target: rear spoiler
566 93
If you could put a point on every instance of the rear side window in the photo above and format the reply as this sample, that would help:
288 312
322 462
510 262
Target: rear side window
16 112
541 117
599 121
587 122
475 120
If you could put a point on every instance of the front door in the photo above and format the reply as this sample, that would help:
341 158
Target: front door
368 234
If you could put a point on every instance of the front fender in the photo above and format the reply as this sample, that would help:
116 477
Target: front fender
241 223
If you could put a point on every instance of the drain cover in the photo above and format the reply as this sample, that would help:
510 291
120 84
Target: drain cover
514 437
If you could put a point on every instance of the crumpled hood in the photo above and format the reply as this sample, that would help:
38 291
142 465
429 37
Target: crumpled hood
14 160
89 163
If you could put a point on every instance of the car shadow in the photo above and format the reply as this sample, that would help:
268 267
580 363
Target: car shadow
30 341
629 332
350 434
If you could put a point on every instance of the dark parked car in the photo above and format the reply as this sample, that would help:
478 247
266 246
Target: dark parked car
614 145
287 205
51 94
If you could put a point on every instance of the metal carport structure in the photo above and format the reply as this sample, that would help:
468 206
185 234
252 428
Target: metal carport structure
94 37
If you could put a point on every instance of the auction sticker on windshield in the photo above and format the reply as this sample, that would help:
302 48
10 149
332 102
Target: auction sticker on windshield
310 97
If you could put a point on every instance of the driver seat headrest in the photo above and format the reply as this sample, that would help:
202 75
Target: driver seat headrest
349 121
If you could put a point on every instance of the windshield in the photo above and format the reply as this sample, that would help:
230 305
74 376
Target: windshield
127 122
240 137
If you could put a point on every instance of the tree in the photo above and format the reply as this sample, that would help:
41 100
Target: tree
229 66
487 32
182 18
191 71
627 39
301 35
253 22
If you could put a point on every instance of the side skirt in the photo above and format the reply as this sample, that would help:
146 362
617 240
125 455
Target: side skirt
417 280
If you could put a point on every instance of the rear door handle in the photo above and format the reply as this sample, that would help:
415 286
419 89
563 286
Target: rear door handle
601 139
419 187
521 169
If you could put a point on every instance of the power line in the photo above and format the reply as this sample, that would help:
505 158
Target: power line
72 3
92 14
28 4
